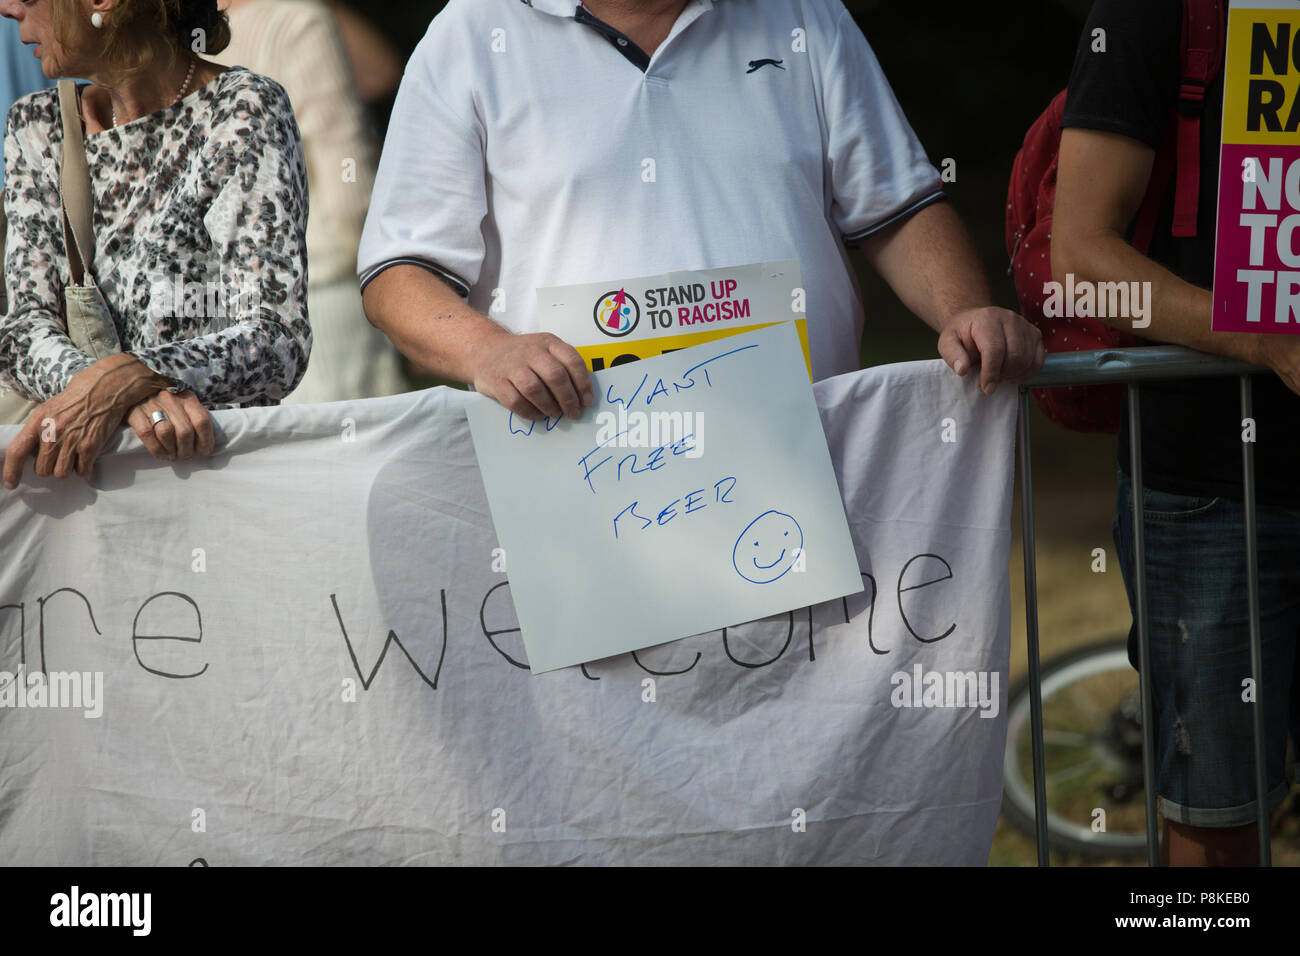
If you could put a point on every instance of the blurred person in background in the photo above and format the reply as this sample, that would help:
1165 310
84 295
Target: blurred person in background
297 43
376 63
198 198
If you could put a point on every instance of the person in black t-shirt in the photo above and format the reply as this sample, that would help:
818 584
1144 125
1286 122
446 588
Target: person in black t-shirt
1117 113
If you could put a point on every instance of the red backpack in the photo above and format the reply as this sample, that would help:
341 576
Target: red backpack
1096 408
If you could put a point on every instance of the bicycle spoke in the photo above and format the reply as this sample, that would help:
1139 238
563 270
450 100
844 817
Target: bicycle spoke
1069 773
1087 703
1066 738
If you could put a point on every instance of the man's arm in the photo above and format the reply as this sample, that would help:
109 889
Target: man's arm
1101 180
532 375
931 264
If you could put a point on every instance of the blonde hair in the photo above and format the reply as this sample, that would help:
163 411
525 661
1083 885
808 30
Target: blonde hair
125 43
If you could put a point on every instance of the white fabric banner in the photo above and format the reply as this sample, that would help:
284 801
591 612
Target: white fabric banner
303 651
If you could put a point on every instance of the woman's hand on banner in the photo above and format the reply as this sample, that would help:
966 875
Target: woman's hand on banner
1004 346
534 375
66 434
185 432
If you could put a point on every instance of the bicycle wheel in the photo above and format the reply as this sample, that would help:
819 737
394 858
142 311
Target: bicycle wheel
1092 744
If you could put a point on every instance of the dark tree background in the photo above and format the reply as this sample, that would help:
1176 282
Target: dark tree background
971 76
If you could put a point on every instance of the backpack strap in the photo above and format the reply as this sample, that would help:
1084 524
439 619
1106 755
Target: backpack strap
1162 174
1202 57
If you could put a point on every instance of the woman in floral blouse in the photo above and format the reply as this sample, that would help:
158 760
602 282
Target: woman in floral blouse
200 211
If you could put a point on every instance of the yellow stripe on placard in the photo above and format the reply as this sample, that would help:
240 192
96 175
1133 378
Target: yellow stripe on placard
605 356
1268 100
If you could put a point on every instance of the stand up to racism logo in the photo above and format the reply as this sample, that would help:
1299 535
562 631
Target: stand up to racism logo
617 313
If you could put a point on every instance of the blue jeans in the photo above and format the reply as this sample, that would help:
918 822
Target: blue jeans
1200 648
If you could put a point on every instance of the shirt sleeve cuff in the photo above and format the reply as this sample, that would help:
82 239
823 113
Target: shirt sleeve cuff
895 218
68 369
459 285
150 361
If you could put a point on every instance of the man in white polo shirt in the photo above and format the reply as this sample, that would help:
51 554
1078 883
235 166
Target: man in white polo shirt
517 159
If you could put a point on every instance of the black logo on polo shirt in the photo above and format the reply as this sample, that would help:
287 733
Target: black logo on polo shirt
616 313
759 64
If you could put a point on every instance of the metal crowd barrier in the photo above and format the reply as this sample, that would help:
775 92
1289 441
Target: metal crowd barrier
1132 366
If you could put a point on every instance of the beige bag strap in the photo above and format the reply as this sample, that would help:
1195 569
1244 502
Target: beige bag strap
4 286
74 186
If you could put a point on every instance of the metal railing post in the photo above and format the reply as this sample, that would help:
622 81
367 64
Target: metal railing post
1143 623
1256 639
1031 632
1131 366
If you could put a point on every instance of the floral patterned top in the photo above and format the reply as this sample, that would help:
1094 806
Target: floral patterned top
200 216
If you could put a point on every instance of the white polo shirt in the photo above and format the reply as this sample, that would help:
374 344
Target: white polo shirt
532 145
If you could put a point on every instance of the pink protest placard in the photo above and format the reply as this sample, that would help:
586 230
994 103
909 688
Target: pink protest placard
1257 248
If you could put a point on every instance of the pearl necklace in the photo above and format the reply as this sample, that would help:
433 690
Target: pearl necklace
189 75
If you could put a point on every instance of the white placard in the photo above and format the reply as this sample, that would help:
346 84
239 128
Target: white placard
696 493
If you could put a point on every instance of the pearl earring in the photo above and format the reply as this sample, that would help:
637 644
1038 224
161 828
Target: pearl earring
96 19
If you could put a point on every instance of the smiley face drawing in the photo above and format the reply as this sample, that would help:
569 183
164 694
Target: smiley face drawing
768 547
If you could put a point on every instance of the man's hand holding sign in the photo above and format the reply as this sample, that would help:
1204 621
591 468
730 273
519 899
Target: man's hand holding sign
533 375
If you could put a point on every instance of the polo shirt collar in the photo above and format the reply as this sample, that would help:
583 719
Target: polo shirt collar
565 8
